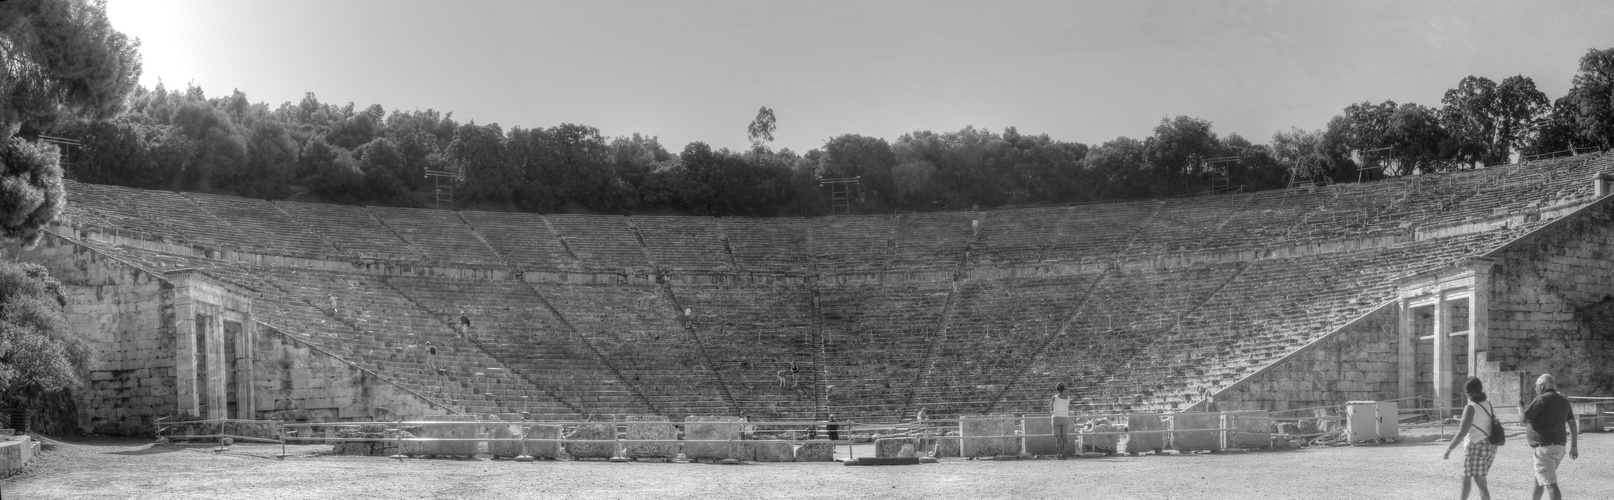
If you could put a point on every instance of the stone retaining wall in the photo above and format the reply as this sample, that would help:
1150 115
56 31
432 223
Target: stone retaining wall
126 316
295 382
1550 297
1357 363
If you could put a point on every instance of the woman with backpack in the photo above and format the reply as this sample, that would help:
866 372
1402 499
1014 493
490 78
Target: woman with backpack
1479 446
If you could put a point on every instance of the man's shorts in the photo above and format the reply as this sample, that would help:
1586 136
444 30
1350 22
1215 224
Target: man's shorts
1547 459
1061 421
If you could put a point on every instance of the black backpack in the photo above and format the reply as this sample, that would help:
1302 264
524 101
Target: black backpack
1496 437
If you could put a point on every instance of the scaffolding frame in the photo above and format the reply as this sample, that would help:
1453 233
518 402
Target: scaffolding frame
443 186
63 148
840 193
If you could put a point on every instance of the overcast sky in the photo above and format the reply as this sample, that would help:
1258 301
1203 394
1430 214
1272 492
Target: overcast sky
697 71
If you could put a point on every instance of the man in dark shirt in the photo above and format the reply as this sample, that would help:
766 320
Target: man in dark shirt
1547 418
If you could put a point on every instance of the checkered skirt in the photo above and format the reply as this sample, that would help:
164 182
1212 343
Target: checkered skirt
1477 457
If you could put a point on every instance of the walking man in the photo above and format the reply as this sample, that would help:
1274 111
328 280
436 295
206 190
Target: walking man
1548 417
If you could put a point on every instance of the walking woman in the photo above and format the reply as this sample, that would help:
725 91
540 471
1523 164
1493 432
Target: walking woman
1060 407
1478 452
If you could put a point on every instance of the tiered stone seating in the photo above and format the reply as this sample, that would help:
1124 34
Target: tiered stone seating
1268 217
684 243
752 334
851 243
604 242
524 240
197 226
774 245
353 230
931 240
1124 315
1427 196
104 207
1513 189
997 327
269 231
1099 231
390 330
439 233
876 340
1159 332
637 332
1353 210
1015 236
1184 224
509 321
397 355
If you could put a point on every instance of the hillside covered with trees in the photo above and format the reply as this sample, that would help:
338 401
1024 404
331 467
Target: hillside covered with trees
186 140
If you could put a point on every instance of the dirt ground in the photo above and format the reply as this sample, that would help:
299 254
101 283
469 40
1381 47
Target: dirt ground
130 468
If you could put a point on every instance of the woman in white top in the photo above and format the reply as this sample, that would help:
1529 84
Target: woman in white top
1060 407
1475 433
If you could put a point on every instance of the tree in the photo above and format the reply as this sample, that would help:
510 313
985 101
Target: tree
31 192
1175 152
61 59
1558 131
1118 170
1592 94
1301 152
1485 121
58 59
1414 131
1467 118
761 129
1519 105
853 155
40 354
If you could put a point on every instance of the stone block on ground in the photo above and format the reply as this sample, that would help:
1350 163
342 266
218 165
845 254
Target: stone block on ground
815 452
979 434
1101 439
600 431
651 427
944 447
723 430
549 449
1194 431
1253 429
449 431
504 430
1142 437
769 451
889 447
1040 438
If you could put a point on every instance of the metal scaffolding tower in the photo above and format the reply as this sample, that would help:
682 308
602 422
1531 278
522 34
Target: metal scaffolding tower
443 186
840 193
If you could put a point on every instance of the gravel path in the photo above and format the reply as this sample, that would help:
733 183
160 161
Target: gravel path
127 468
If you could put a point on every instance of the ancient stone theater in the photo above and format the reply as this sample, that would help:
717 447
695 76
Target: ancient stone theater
225 307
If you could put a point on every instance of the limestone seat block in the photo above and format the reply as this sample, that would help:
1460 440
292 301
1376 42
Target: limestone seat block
978 433
592 450
1188 432
1138 442
710 428
815 452
1254 430
651 427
